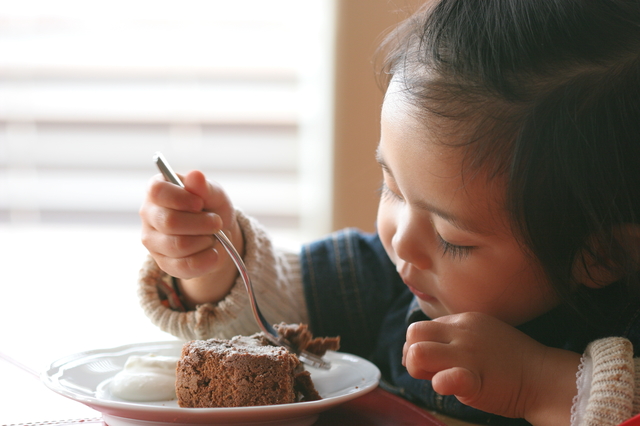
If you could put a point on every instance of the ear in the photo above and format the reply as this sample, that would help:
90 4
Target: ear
619 259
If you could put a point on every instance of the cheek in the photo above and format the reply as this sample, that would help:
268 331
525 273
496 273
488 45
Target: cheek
386 227
506 287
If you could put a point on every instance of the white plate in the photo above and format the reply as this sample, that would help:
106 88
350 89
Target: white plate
85 376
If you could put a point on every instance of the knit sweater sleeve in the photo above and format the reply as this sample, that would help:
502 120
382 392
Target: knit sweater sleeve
277 283
608 384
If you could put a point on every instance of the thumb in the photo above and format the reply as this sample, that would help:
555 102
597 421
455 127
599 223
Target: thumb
214 199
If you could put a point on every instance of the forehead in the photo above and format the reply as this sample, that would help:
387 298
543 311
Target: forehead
429 169
405 127
399 106
395 104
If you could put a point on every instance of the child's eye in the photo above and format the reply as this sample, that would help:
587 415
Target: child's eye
385 193
457 252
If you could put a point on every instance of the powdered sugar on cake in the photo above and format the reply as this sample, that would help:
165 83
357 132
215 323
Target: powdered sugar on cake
246 371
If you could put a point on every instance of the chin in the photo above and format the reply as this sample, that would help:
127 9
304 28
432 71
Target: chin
431 309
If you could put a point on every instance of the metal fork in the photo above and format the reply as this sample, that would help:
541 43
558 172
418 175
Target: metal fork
268 330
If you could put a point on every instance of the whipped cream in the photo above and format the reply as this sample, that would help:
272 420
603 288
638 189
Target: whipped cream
146 378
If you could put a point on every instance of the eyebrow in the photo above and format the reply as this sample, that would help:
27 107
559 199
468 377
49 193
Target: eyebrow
424 205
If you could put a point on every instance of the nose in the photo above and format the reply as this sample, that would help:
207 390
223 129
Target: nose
410 242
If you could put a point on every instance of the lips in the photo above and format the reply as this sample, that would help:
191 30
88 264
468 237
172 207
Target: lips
404 270
421 295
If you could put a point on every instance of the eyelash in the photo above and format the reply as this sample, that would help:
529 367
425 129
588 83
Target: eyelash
385 192
455 251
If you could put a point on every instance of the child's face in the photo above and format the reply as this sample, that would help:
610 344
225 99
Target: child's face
449 237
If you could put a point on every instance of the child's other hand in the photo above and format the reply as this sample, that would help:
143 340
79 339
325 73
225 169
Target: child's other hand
492 366
178 228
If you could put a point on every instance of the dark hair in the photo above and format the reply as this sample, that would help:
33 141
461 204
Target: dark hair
551 92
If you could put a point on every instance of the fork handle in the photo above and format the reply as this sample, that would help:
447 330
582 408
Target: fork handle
237 260
305 357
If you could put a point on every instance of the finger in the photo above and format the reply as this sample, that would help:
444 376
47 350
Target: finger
405 348
213 196
457 381
427 331
424 359
193 266
176 245
172 196
175 222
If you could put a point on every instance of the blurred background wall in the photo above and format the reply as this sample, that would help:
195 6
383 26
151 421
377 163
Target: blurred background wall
276 100
360 27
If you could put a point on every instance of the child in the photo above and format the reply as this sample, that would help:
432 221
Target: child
508 232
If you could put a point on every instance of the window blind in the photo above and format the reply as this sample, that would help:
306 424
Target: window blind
90 90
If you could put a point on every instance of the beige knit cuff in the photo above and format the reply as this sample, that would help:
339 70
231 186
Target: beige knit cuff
612 388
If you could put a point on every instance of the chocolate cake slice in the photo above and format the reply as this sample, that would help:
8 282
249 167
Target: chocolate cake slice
246 371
